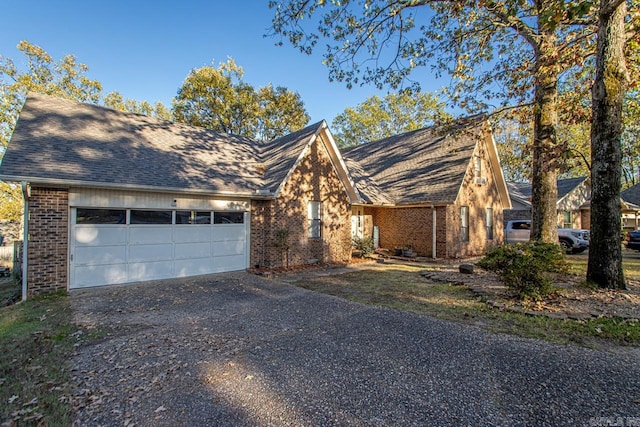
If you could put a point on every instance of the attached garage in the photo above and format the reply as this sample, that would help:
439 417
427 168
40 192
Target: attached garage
112 244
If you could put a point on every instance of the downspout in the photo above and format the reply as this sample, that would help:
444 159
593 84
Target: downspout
25 238
433 233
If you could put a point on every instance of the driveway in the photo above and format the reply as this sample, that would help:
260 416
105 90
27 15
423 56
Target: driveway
239 350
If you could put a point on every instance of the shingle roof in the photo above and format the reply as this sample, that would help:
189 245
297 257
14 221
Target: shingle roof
281 154
522 190
631 195
60 140
425 165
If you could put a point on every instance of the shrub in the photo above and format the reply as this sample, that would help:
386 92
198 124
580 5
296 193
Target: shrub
364 245
525 267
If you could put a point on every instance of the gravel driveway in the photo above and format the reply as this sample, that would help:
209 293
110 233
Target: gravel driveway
240 350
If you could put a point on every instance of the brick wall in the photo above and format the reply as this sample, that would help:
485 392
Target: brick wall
315 179
48 240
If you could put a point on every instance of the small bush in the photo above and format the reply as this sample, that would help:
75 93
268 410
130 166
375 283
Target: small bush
524 267
364 245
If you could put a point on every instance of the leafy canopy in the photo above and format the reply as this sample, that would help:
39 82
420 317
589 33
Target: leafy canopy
218 99
396 113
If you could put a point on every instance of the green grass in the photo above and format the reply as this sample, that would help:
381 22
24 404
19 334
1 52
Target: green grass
402 288
630 264
36 343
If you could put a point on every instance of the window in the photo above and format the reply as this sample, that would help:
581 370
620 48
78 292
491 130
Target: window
228 217
193 217
151 217
567 219
314 216
101 216
464 223
489 223
477 167
521 225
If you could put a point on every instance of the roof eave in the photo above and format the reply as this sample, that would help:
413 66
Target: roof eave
67 183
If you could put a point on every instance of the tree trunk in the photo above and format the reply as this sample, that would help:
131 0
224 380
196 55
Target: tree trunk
605 251
544 186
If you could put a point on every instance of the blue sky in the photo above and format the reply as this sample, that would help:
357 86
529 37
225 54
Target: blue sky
144 49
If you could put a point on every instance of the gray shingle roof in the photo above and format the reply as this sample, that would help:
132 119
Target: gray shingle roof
522 190
60 141
425 165
631 195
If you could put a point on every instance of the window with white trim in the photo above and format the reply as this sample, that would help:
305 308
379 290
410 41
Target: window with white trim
464 223
489 223
314 217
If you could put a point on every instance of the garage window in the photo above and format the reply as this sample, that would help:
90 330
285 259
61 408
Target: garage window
193 217
101 216
228 217
151 217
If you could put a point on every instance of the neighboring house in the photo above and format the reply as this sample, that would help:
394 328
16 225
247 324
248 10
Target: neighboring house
573 205
631 208
439 191
115 197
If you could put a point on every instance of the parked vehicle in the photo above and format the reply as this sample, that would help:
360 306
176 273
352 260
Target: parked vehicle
633 240
572 240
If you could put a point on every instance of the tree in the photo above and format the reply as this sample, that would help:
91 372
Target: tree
281 112
605 252
511 52
377 118
218 99
10 202
116 101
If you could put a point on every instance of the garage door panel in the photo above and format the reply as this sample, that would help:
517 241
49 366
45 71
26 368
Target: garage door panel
112 254
193 267
98 275
138 271
145 234
228 232
143 253
193 250
228 248
192 233
100 236
229 263
100 255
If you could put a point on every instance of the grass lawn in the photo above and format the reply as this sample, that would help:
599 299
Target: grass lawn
36 342
401 287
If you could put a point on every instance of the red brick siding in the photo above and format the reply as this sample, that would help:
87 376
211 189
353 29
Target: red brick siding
48 240
478 198
315 179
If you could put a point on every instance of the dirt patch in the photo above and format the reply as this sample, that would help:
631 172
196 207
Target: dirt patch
572 300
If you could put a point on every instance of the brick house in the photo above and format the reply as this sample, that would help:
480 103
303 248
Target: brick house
115 197
439 191
573 205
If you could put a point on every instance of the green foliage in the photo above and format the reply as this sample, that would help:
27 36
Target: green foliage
524 267
11 202
116 101
364 245
377 118
218 99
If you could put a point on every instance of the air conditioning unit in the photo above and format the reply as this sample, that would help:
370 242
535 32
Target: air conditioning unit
481 180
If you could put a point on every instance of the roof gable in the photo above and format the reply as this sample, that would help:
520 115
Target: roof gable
631 195
422 166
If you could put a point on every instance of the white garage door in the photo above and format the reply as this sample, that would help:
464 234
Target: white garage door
110 246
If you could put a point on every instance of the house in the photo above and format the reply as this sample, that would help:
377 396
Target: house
439 190
573 205
631 208
116 197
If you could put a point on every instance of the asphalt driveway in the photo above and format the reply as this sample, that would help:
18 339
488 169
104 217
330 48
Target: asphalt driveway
239 350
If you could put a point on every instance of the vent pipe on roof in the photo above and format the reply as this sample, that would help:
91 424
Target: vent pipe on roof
26 190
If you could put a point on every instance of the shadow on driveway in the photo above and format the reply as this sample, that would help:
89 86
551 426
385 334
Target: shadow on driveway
238 350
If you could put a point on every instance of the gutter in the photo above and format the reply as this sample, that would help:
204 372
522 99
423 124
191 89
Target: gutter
433 233
25 238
